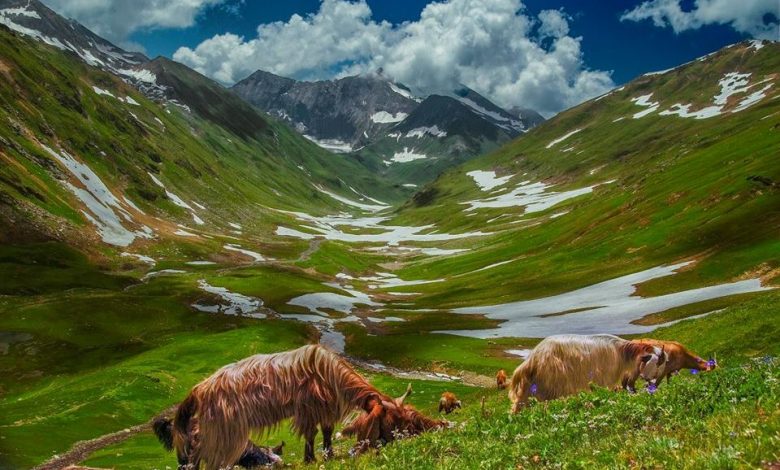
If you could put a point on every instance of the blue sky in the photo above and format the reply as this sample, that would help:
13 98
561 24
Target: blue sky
628 49
544 54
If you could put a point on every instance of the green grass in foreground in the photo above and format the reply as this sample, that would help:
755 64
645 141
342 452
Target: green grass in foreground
726 419
67 408
729 418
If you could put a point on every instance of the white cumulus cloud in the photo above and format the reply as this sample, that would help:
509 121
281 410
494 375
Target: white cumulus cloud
493 46
758 18
115 20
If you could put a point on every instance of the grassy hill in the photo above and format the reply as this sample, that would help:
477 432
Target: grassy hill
96 336
203 144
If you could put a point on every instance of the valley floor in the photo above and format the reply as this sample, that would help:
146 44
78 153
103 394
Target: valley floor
131 268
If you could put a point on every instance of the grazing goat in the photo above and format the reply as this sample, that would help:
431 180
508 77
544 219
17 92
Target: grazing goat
566 364
448 402
678 357
311 385
501 379
399 420
253 456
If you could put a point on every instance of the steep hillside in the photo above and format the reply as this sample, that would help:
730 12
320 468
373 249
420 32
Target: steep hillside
675 167
147 164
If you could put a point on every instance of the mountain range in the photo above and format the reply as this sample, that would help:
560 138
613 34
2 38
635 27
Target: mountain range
364 115
405 138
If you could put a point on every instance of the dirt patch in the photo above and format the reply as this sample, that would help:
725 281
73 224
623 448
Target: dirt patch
392 266
763 271
5 71
314 245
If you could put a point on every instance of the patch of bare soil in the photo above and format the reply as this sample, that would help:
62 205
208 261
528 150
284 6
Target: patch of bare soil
763 271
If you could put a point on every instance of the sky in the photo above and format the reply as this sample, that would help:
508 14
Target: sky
543 54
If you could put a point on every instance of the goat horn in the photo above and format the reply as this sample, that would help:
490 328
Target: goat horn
400 400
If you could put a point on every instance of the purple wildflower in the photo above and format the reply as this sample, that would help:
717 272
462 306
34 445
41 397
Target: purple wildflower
651 388
694 371
712 363
533 389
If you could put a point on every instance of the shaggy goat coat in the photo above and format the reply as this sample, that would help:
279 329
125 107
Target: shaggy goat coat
310 385
567 364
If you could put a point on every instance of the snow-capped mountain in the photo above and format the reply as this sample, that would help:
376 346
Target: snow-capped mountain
384 125
340 115
529 117
34 19
160 79
354 112
519 121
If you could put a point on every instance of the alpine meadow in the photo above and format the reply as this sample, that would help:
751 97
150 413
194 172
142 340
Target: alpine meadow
358 234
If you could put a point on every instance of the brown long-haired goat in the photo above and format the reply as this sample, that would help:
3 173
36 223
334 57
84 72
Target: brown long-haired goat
566 364
678 357
311 385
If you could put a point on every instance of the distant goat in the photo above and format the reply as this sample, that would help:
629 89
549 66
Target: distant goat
448 402
566 364
311 385
501 379
678 357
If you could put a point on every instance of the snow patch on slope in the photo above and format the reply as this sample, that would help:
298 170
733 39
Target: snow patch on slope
533 196
390 235
607 307
407 155
383 117
644 101
732 83
333 145
421 131
562 138
366 207
487 180
176 199
402 92
104 209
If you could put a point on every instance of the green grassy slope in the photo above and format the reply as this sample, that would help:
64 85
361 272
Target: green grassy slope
706 189
225 153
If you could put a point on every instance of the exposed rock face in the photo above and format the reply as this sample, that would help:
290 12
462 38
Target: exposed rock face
352 110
